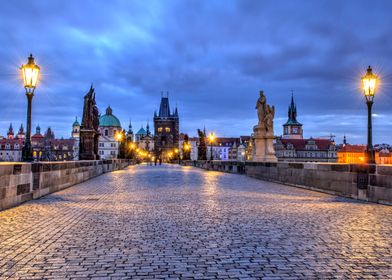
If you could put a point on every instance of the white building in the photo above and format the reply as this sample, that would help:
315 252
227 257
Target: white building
109 127
76 136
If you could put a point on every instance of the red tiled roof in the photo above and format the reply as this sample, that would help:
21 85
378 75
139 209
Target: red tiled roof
37 136
353 148
12 142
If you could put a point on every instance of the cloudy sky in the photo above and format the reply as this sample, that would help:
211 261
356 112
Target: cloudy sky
211 56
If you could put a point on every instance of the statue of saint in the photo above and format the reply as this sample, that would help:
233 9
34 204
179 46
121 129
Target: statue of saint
261 107
269 118
265 113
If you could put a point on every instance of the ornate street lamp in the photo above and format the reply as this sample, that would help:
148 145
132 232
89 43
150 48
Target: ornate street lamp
211 137
30 75
119 138
369 83
177 153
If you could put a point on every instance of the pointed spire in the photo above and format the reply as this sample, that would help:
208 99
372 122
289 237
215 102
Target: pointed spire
38 129
21 130
109 110
164 108
10 130
148 128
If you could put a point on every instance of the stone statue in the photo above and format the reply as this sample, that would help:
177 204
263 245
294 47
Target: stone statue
261 107
263 149
89 133
265 112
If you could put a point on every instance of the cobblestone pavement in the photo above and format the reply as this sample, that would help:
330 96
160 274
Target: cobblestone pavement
173 222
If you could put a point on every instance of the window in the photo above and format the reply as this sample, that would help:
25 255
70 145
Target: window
113 145
102 145
16 147
101 153
7 147
106 132
159 129
167 129
113 153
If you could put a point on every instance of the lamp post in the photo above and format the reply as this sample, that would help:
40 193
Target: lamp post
177 152
186 150
118 137
211 137
369 82
30 75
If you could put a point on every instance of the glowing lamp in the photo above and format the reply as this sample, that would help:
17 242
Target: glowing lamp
30 75
369 83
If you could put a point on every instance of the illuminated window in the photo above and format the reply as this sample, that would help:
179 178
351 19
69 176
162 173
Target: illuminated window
159 129
167 129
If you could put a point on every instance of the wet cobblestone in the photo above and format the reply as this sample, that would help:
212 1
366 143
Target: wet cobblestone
173 222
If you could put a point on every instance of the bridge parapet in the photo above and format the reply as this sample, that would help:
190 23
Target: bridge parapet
359 181
20 182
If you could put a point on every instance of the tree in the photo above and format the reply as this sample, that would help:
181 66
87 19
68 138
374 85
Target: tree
122 145
202 149
186 148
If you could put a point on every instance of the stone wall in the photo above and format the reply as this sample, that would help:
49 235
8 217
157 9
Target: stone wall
20 182
366 182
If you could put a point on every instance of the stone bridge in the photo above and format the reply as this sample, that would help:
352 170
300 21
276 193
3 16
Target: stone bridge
173 222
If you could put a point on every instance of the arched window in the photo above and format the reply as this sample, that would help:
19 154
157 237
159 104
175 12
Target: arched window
106 132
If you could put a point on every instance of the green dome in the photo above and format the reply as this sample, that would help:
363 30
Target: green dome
76 123
109 119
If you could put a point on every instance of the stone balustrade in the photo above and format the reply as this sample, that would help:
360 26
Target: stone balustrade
20 182
366 182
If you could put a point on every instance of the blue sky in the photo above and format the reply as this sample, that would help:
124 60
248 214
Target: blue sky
211 56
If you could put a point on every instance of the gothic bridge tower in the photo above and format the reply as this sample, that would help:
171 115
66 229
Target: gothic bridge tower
166 129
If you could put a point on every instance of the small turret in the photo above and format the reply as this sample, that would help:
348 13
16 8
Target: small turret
38 130
10 133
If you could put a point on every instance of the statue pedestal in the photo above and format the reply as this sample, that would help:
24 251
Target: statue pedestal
86 148
263 149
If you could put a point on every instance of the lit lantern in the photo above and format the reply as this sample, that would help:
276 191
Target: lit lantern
369 83
30 75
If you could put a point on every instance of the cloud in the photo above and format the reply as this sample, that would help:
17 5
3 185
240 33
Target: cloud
212 57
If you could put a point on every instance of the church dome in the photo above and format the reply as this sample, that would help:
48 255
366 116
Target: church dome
141 132
76 123
109 119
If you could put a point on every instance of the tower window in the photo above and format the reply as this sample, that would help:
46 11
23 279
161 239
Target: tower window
167 129
159 129
106 132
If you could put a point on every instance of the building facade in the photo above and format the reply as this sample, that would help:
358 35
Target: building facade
166 130
109 127
75 134
291 146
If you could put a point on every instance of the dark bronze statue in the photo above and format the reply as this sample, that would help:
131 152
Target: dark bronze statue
89 133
